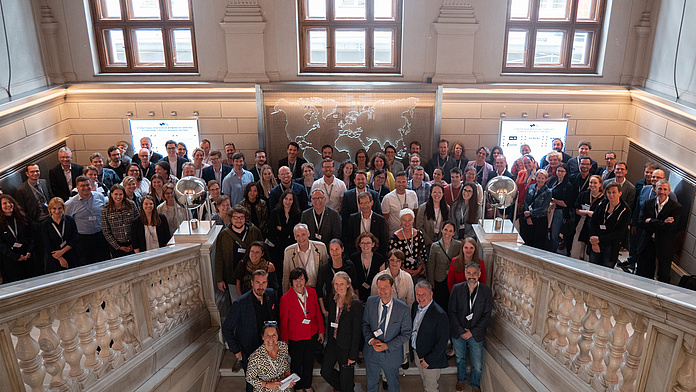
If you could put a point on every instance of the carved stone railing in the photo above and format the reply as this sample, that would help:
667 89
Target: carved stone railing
580 327
88 327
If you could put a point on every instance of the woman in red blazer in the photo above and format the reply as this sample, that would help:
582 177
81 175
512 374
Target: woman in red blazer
301 326
468 254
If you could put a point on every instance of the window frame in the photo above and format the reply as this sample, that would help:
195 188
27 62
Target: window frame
128 26
570 27
331 24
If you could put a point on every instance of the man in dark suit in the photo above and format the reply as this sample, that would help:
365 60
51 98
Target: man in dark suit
286 182
429 337
248 314
607 172
116 163
58 176
386 327
292 161
470 307
368 220
176 163
659 218
33 196
349 205
323 222
147 168
574 163
146 143
216 171
259 161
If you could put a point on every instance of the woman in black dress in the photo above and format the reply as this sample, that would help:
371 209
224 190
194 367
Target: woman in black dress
151 229
60 238
16 241
367 263
411 241
280 224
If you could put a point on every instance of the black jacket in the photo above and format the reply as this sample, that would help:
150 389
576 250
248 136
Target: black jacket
459 309
378 227
349 327
138 233
431 341
59 186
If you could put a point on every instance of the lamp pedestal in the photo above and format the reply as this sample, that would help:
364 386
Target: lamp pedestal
487 231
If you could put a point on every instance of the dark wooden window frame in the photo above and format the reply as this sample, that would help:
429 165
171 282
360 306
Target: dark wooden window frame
331 25
532 26
164 24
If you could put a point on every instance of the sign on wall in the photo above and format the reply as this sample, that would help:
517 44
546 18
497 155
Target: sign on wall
538 134
159 131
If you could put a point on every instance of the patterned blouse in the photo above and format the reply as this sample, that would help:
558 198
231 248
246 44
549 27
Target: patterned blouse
413 248
262 368
116 224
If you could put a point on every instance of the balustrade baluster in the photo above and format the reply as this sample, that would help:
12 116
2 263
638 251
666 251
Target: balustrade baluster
615 348
72 352
562 326
52 352
183 289
87 335
27 351
116 329
599 346
686 373
585 341
574 325
195 270
528 301
551 318
103 335
128 319
634 351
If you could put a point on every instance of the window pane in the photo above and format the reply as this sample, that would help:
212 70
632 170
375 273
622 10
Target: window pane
384 9
582 44
554 9
183 47
148 48
179 9
350 47
317 47
115 48
548 50
587 11
516 49
350 9
109 9
315 9
144 9
519 9
384 48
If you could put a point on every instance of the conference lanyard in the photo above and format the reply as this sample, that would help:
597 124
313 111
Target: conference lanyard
303 304
61 233
15 231
403 205
362 224
275 369
328 193
438 218
318 224
408 245
472 301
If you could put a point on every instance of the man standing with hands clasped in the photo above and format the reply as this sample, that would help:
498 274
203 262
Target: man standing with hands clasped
470 307
429 336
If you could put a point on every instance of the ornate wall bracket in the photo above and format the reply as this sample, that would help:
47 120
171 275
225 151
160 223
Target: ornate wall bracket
244 28
456 29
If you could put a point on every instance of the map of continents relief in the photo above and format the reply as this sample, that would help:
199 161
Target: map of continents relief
347 124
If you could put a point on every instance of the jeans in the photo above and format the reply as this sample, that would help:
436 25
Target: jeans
556 225
604 257
476 351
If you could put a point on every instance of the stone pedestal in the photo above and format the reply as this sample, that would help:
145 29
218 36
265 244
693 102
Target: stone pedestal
244 28
456 28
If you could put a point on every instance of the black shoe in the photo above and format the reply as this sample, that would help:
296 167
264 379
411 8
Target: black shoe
624 263
385 386
405 366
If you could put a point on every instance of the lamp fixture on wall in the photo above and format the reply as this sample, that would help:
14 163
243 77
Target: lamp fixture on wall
151 113
173 113
567 115
503 115
129 114
525 115
195 113
545 115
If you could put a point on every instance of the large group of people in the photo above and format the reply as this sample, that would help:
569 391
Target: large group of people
377 259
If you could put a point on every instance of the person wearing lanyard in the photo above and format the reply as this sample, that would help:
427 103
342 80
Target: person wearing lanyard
16 242
432 215
85 208
470 307
429 337
336 263
455 187
458 159
608 225
324 222
60 238
366 220
332 186
441 255
304 253
410 241
344 324
301 326
231 246
269 364
397 200
367 262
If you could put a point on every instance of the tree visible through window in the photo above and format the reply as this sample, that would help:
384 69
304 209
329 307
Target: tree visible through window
144 35
344 36
553 35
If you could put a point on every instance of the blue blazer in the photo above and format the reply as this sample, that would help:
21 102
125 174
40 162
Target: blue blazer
350 204
433 334
208 173
398 330
240 329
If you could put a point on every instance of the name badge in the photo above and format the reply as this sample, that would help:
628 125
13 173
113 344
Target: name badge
404 206
62 244
411 260
462 226
585 207
241 250
334 325
17 245
92 218
318 236
602 227
469 317
306 321
365 285
378 332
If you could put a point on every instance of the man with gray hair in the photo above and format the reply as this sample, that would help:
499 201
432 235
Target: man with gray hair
62 177
306 253
323 222
429 336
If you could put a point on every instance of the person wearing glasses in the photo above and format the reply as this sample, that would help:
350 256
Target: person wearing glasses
244 328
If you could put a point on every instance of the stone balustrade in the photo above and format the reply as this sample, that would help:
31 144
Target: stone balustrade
580 327
92 327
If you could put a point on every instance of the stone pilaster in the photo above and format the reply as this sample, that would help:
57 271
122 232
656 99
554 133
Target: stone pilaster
244 28
456 29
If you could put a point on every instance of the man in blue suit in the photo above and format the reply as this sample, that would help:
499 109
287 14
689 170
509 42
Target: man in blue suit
349 205
242 327
429 337
176 162
386 327
216 171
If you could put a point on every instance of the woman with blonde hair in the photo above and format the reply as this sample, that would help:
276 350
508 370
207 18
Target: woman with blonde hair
171 209
267 182
60 238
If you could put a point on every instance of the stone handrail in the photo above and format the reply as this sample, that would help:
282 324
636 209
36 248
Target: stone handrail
70 330
580 327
